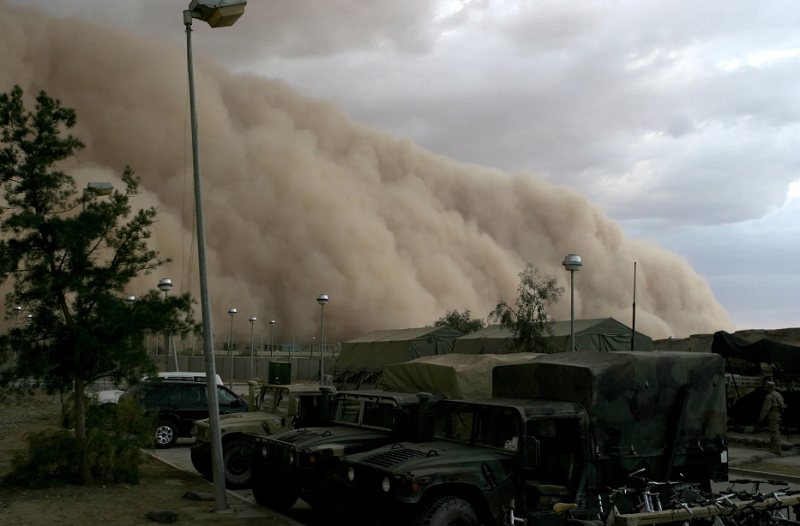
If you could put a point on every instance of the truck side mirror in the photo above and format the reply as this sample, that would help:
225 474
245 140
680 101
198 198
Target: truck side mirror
294 406
532 451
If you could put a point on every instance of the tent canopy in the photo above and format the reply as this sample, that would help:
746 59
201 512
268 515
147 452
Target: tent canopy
377 349
603 334
785 357
456 376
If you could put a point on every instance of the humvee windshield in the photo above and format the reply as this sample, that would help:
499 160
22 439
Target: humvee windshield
362 411
274 400
485 426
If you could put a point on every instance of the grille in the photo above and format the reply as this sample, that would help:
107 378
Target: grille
393 456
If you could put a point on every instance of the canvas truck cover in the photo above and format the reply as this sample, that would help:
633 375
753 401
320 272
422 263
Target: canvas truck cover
456 376
634 400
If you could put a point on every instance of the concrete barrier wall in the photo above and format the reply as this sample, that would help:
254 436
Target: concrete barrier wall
303 369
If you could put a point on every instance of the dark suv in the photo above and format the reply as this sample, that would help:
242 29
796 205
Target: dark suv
180 404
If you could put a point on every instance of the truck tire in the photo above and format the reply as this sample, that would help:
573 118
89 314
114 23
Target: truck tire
166 434
201 461
447 511
271 493
236 457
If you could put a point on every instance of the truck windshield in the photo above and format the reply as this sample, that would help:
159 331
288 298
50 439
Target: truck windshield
364 411
498 428
494 427
274 400
454 422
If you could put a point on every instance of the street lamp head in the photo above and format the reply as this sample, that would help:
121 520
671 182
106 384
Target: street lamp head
100 188
272 322
217 13
253 320
130 299
16 308
322 299
572 262
164 284
29 317
232 312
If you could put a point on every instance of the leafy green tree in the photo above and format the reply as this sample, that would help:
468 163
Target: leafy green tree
461 321
69 267
528 319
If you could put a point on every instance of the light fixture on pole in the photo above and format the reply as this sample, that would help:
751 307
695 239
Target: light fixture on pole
231 313
97 189
271 337
17 309
164 285
322 299
28 319
130 299
217 13
572 263
252 321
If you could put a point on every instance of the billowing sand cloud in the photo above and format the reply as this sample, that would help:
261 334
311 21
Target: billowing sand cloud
300 200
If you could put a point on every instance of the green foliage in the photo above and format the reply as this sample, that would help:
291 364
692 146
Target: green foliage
461 321
528 318
70 257
117 432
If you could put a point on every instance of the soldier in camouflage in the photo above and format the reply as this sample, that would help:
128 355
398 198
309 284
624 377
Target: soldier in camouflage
772 411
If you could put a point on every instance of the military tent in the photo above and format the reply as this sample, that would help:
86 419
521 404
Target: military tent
457 376
785 358
361 360
604 334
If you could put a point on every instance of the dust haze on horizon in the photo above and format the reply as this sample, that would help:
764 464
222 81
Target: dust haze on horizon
300 200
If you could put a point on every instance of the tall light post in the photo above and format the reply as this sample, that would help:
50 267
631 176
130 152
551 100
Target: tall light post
17 309
217 13
271 337
252 321
322 299
96 189
231 313
164 285
572 263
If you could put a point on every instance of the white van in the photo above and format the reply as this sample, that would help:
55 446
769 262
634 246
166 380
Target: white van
111 396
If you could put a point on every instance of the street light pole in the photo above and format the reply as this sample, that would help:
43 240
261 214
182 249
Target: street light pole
252 321
572 263
271 338
231 313
223 13
322 299
165 284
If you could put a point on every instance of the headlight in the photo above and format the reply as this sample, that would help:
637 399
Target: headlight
264 451
291 458
351 474
386 485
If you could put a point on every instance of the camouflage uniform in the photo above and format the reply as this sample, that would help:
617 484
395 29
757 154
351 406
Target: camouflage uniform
772 411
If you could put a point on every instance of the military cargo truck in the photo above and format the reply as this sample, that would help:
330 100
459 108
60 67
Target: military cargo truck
298 463
560 429
278 408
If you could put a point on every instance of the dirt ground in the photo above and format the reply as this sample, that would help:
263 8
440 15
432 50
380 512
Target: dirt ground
161 486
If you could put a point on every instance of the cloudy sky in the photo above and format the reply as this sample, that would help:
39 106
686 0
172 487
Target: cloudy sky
679 120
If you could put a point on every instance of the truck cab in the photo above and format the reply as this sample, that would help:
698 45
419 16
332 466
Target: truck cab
297 463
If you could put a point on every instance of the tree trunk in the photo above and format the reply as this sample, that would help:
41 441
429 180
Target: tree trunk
80 432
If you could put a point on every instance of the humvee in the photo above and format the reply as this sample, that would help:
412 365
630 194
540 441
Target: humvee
277 408
560 430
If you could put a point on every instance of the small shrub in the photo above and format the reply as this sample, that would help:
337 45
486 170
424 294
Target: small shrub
115 434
